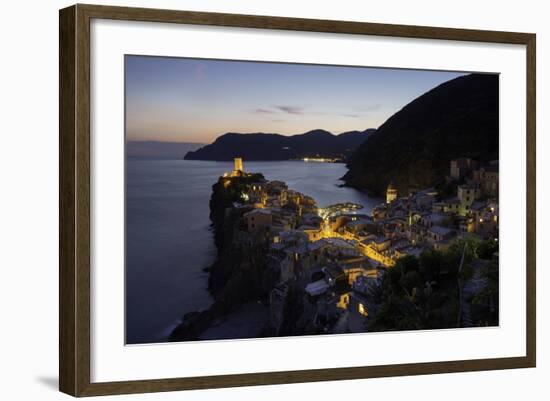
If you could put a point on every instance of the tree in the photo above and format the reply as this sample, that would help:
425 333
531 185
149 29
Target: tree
409 281
408 263
431 262
485 304
487 248
421 293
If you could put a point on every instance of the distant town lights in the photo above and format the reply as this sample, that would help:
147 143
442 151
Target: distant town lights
320 159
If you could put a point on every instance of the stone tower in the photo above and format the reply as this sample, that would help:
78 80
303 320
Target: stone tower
391 193
238 165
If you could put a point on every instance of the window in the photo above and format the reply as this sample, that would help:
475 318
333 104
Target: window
362 310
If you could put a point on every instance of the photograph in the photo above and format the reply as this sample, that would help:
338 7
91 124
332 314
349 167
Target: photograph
273 199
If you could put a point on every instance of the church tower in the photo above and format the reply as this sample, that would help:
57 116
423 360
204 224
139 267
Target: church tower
391 193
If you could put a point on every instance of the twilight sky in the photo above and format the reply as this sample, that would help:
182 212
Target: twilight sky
196 100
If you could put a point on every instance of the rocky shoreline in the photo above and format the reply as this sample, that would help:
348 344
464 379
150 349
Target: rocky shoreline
239 275
286 267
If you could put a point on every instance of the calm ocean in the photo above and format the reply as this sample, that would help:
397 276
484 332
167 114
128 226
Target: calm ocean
168 237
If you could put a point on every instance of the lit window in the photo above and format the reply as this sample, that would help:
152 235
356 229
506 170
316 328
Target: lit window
362 310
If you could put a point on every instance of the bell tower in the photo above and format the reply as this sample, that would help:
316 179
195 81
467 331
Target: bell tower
391 193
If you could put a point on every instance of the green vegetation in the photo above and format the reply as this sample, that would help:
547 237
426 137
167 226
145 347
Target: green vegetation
485 309
424 292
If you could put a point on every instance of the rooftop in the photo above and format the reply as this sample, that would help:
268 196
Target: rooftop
259 211
441 230
434 217
317 287
452 201
478 205
468 186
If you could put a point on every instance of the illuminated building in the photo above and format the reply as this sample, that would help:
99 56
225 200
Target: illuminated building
466 194
258 219
238 164
487 178
237 167
391 193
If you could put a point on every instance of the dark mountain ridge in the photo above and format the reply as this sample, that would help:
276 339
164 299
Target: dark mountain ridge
414 147
158 149
266 146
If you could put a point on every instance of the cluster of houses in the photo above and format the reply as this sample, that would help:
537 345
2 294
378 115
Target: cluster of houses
338 257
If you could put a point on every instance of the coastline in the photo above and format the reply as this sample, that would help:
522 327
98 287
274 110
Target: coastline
323 270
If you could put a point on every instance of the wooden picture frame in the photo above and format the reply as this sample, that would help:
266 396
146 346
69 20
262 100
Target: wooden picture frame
74 204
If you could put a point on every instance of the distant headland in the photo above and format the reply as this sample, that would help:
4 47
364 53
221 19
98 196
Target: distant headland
315 145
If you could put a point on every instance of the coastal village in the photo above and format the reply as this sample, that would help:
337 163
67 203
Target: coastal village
337 255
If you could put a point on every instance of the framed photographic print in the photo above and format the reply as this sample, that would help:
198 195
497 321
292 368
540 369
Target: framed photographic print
250 200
